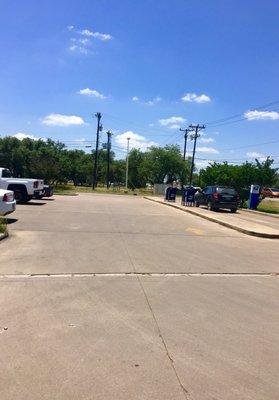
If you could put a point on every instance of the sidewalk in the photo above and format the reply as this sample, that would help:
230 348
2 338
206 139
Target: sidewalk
248 223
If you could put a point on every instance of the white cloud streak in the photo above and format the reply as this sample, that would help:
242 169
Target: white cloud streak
153 101
193 97
172 122
256 115
135 98
91 93
62 120
255 154
204 149
96 35
136 141
206 140
21 136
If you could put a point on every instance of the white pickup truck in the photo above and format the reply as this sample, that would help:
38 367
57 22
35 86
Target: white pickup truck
7 202
24 189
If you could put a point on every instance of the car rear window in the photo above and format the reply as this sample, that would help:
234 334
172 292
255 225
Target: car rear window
224 190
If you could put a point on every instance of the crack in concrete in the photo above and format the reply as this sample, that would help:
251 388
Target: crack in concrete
184 390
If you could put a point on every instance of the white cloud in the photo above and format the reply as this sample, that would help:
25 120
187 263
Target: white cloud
255 154
82 45
205 149
193 97
62 120
96 35
200 164
78 49
172 122
91 93
206 140
136 141
255 115
135 98
153 101
21 136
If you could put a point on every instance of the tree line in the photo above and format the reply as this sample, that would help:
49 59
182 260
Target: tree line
56 164
53 162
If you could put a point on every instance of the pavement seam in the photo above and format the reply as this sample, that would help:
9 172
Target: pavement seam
136 274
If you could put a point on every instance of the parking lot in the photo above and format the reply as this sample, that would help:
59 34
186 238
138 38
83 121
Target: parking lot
117 297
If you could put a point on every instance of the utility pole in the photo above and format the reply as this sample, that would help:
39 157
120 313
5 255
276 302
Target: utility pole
127 161
98 115
108 157
185 141
196 129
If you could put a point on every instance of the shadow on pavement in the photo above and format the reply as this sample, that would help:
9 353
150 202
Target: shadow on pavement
32 203
220 210
11 221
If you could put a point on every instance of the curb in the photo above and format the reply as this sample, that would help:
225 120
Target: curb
226 224
4 235
260 213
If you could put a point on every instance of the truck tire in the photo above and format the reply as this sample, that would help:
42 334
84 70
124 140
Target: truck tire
20 192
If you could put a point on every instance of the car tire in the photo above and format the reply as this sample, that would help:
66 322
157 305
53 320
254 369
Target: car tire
210 206
197 204
233 210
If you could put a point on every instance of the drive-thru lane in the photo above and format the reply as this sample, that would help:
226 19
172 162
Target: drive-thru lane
96 304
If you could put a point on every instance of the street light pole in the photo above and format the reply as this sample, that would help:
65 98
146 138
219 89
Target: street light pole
127 161
108 157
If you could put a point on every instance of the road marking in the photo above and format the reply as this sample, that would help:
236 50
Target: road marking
196 231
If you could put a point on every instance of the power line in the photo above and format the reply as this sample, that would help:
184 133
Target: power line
250 145
240 114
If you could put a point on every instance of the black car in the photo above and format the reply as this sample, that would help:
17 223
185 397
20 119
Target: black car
215 197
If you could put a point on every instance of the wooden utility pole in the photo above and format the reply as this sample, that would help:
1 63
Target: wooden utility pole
185 141
98 115
196 129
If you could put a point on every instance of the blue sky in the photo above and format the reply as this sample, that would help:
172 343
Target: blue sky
149 66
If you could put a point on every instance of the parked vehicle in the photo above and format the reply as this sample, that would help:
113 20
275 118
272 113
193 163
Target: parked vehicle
215 197
7 202
270 192
47 192
24 189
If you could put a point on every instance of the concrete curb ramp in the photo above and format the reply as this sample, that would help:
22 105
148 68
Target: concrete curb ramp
258 230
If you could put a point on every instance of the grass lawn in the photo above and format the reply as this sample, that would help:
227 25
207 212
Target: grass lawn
269 206
3 226
71 190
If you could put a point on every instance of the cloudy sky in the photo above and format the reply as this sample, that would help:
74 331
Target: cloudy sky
149 67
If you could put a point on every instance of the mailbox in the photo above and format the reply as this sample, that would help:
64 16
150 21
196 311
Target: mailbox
170 194
254 197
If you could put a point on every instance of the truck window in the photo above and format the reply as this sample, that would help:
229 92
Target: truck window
6 173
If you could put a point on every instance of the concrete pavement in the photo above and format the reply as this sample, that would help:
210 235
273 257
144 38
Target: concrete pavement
116 336
251 224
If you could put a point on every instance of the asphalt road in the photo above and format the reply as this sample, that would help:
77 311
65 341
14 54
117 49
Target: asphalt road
110 314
